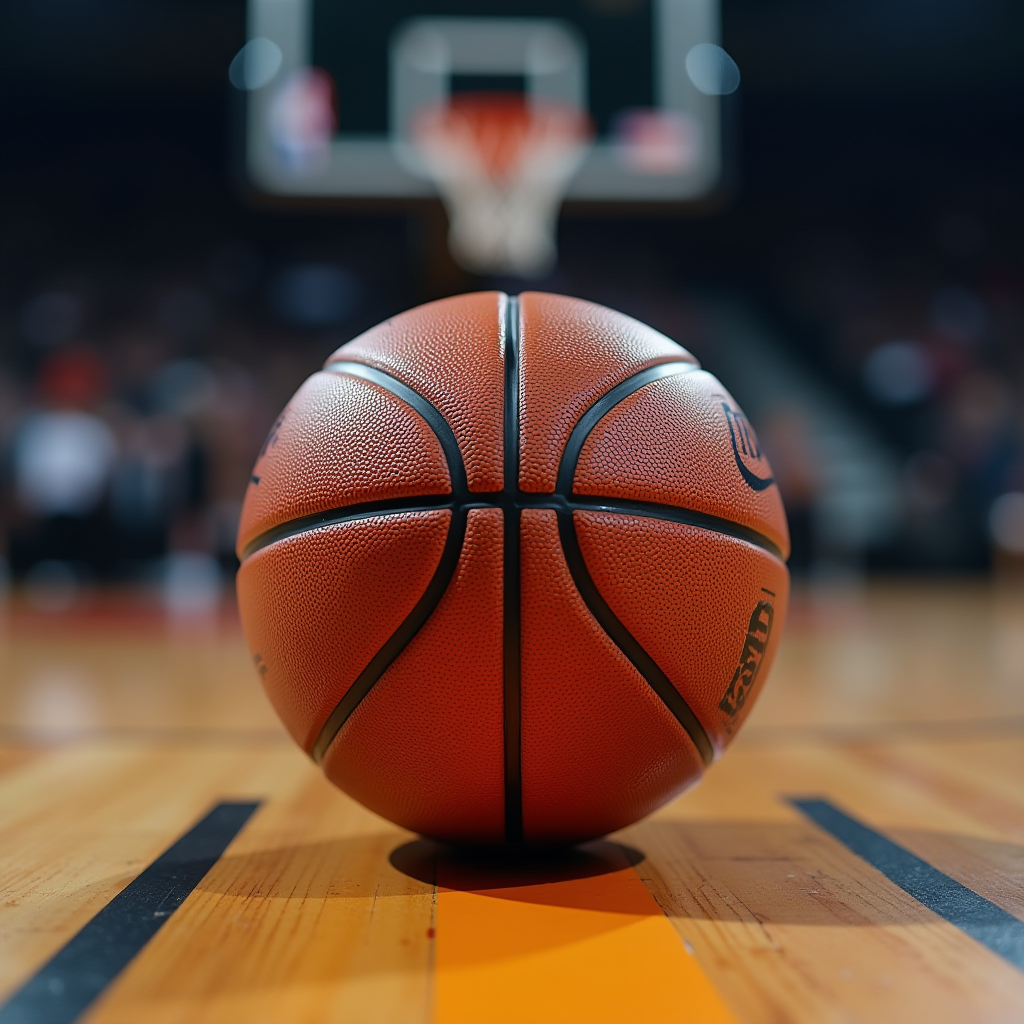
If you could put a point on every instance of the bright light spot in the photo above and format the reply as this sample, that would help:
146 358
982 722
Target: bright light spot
255 64
712 70
62 462
899 373
1006 522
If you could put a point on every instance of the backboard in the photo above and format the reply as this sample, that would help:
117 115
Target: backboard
346 80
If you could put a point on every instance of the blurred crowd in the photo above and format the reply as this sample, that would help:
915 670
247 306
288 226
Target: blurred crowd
928 346
128 434
128 428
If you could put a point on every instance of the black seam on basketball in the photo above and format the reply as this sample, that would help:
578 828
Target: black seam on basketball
599 608
626 642
401 637
600 408
511 500
676 514
435 590
346 514
442 431
512 624
585 503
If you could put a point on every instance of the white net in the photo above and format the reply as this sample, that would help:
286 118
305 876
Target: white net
502 167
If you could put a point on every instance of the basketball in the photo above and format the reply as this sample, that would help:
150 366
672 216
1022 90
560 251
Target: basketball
512 569
387 638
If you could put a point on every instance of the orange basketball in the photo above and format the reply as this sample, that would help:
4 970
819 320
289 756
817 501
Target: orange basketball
512 569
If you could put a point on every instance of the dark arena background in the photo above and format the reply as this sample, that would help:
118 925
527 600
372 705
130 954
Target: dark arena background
855 278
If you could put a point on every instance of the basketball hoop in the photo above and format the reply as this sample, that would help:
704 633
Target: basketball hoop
502 164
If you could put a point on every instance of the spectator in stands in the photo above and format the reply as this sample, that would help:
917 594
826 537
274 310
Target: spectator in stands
63 455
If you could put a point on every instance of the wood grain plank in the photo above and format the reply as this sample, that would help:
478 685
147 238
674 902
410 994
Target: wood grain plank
79 822
897 652
304 920
72 682
788 923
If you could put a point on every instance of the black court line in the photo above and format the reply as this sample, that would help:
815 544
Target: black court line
963 908
68 984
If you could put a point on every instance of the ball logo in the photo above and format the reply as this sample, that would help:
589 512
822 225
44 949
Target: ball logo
270 442
759 630
750 460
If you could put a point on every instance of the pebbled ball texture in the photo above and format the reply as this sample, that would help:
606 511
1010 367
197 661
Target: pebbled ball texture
502 617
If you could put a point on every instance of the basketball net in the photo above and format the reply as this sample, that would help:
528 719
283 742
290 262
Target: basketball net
502 164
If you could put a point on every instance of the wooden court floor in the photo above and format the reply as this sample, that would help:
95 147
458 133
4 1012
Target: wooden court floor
167 855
